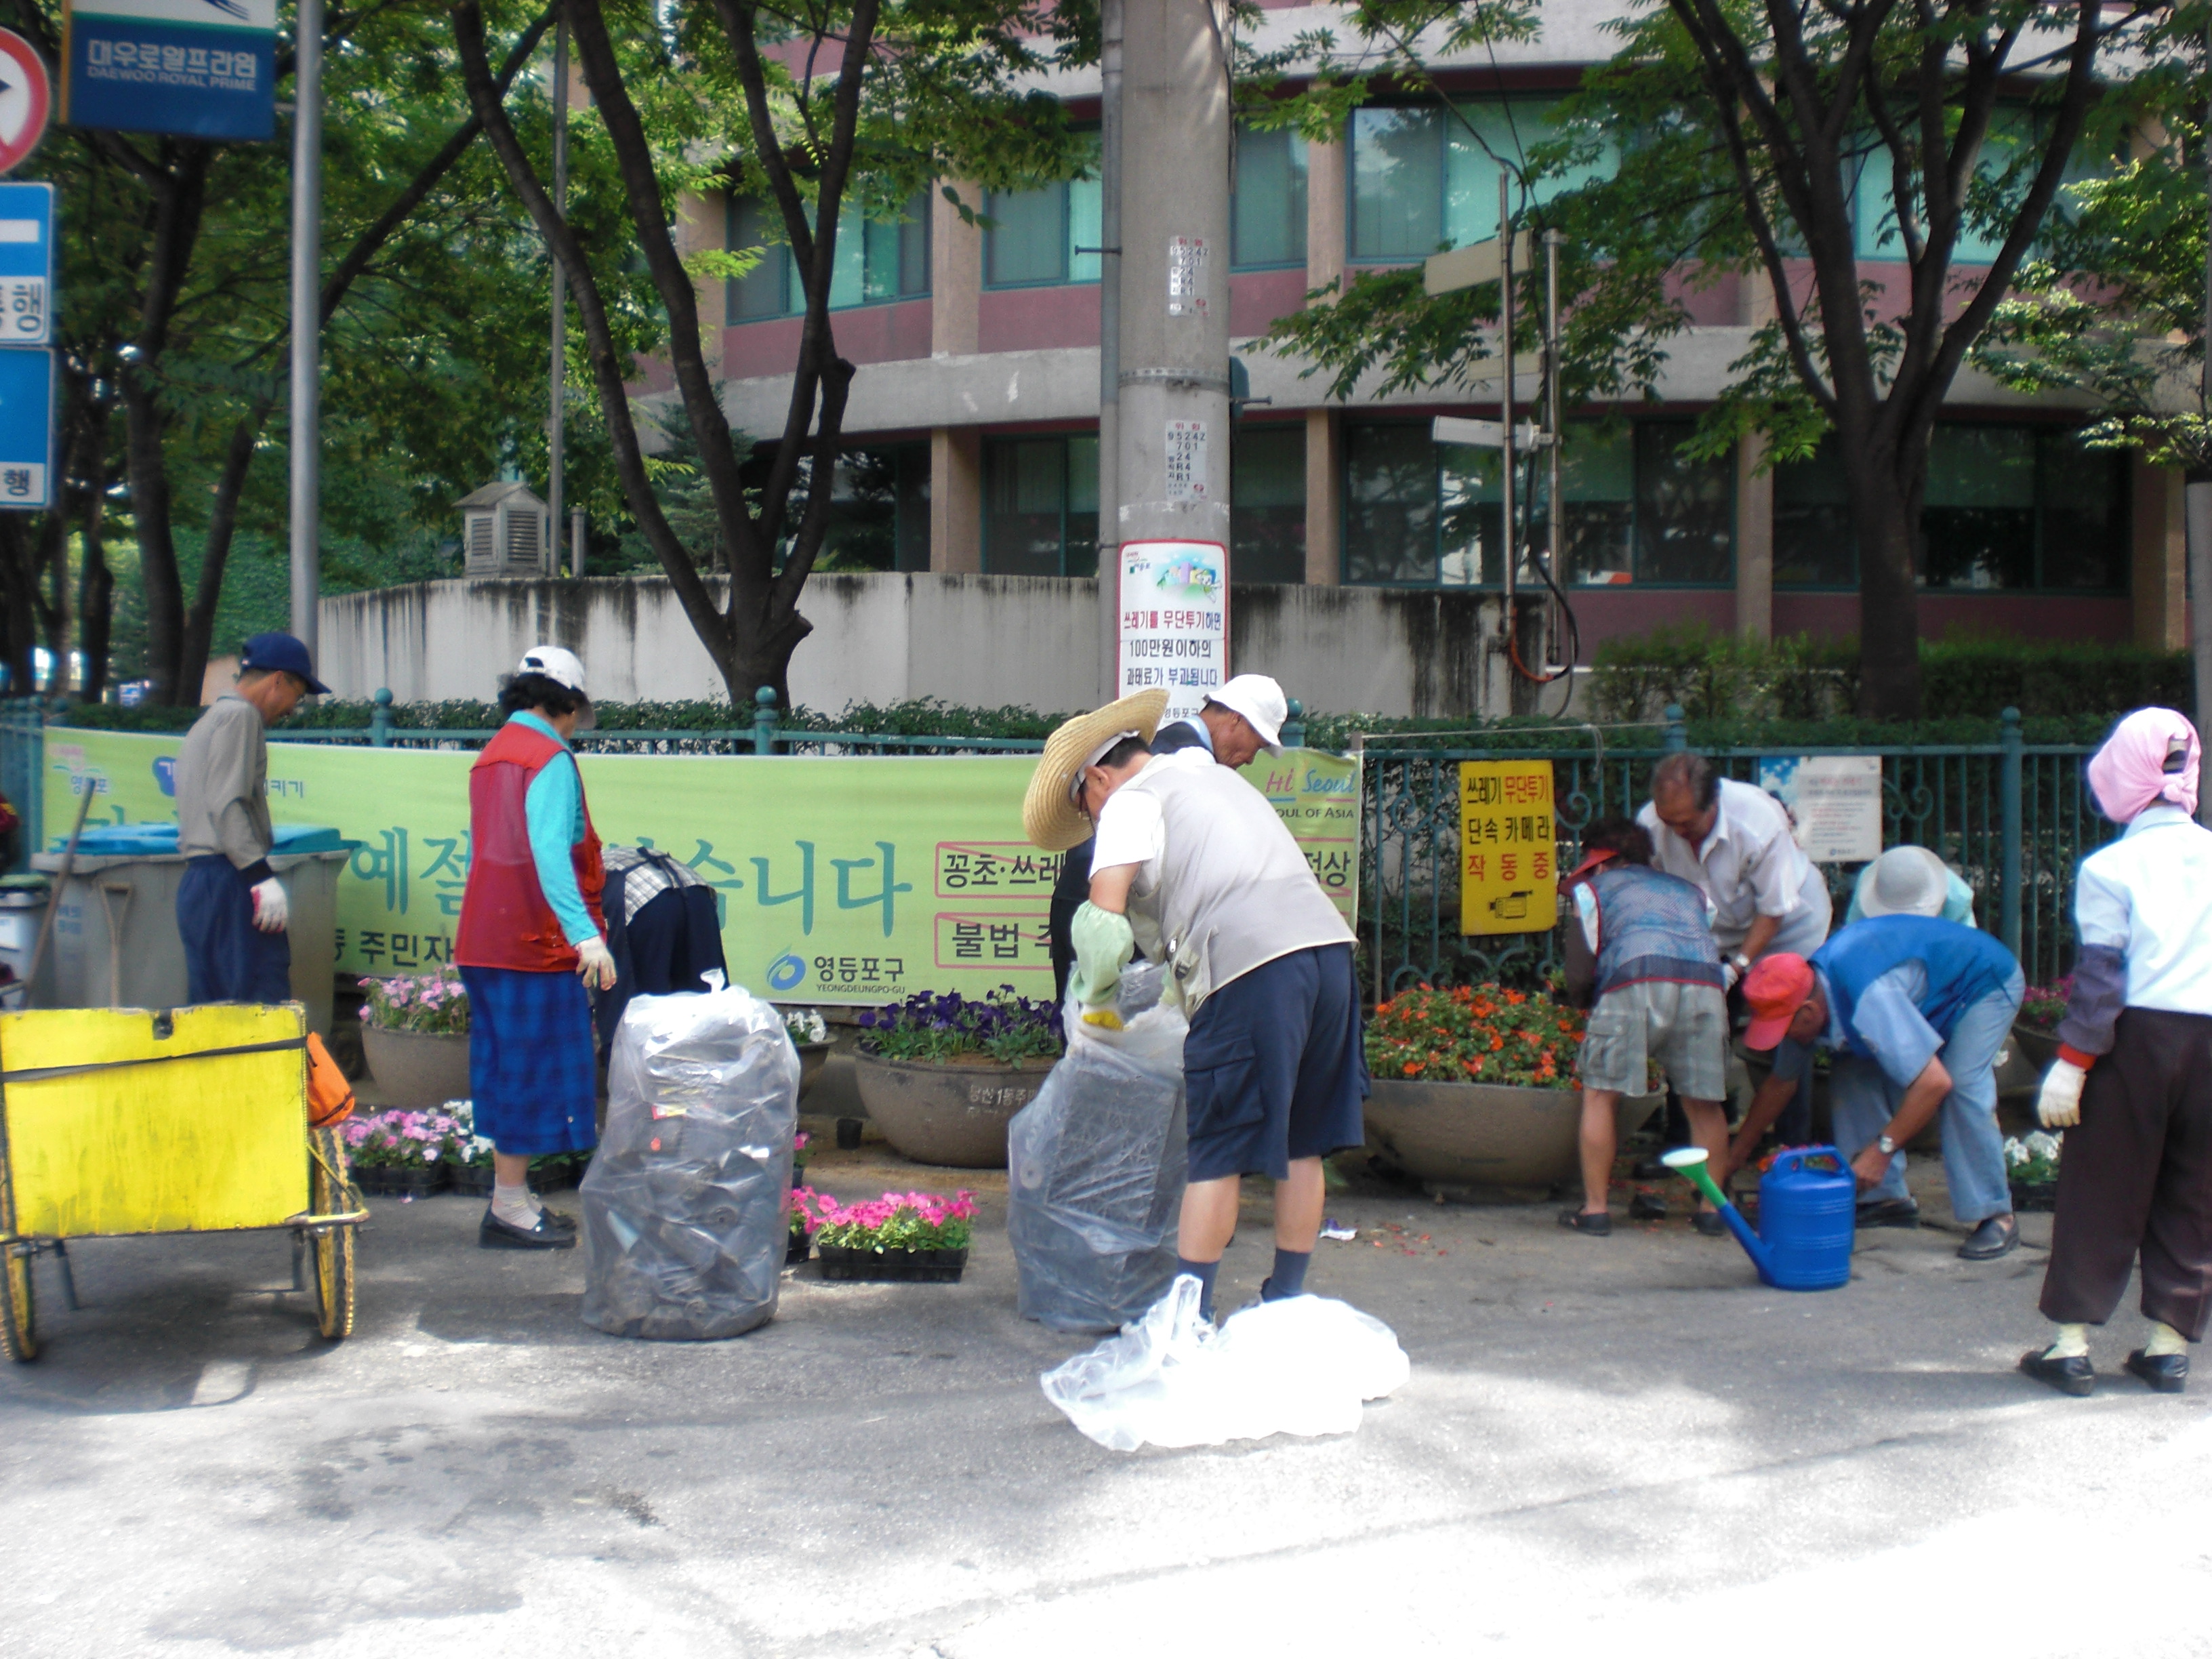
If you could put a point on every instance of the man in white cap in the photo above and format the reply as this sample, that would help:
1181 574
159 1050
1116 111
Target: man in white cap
1239 720
531 939
1910 881
1194 868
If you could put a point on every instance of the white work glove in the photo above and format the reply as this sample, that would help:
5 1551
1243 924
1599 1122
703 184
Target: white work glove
595 964
1104 944
1729 977
271 912
2059 1105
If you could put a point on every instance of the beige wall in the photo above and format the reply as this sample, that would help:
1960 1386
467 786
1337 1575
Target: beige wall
884 636
2159 579
955 499
1325 231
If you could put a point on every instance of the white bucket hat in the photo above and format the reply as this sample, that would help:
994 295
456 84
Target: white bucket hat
1906 881
1260 701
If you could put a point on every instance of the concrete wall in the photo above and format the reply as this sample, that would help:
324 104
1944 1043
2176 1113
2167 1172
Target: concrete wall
1028 640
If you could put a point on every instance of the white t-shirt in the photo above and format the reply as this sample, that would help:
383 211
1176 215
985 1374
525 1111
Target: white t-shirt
1132 828
1748 866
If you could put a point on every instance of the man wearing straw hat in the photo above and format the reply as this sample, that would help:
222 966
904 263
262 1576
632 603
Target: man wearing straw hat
1194 867
2132 1085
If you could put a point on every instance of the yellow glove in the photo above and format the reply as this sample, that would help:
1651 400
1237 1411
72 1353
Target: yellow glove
1104 944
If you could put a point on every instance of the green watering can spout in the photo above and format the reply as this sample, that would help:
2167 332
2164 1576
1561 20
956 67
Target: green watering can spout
1689 1163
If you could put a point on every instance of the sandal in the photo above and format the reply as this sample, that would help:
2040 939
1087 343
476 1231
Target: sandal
1599 1225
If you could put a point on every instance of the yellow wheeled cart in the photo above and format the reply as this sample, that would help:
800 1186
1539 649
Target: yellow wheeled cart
128 1121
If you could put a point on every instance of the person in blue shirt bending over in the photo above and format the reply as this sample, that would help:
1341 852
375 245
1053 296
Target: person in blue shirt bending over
1915 1012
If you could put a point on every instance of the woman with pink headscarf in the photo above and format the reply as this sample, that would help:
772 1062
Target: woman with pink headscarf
2132 1085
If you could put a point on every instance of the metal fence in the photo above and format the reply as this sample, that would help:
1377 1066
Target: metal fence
2013 818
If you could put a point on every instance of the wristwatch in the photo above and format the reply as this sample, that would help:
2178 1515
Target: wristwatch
1741 962
1889 1147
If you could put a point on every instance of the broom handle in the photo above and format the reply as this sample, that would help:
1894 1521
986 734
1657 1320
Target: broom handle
53 904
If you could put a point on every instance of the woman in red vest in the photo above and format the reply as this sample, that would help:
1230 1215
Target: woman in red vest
531 939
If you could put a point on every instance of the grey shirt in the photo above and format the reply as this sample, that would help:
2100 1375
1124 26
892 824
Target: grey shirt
223 786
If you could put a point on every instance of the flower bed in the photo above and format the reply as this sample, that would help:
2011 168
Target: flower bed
402 1153
1475 1034
918 1237
806 1025
434 1005
929 1029
2032 1167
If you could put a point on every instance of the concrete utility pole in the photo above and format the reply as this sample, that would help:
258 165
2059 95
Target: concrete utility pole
307 327
1172 478
1110 340
2196 494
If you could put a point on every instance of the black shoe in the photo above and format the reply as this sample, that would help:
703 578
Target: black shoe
2167 1373
559 1218
1644 1207
1709 1223
1998 1236
2073 1374
496 1235
1597 1226
1889 1213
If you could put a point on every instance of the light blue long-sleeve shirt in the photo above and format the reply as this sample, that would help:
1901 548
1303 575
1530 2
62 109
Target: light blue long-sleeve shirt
553 811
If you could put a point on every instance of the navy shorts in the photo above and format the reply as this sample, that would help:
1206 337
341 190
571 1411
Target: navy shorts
227 957
1275 1066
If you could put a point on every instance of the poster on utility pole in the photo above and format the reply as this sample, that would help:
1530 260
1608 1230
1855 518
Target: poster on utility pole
1174 621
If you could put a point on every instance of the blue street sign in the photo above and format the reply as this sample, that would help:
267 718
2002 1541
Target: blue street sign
26 264
206 69
27 429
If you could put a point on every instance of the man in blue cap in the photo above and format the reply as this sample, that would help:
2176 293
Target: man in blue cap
230 906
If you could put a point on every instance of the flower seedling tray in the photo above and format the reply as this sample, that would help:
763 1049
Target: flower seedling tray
798 1250
2032 1196
910 1266
400 1180
471 1180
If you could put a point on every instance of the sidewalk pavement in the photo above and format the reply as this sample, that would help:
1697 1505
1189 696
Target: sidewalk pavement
1621 1445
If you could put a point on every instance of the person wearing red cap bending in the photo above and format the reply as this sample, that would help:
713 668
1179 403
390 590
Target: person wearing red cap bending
2132 1085
1915 1012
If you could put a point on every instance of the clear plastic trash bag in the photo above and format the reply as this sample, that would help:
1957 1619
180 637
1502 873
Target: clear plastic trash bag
1303 1365
1095 1170
687 1205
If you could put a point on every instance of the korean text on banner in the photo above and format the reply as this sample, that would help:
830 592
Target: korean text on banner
204 68
852 880
1508 876
1174 621
1834 802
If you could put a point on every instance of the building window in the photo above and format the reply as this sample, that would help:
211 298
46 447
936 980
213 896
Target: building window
1033 236
1637 510
1267 213
1427 178
876 261
2013 130
2017 507
1267 515
878 507
1041 505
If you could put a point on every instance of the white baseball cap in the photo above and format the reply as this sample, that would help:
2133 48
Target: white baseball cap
563 668
1260 701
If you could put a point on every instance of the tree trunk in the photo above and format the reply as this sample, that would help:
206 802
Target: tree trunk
198 632
1885 489
19 582
96 592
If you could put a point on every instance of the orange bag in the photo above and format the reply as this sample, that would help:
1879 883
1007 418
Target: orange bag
329 1097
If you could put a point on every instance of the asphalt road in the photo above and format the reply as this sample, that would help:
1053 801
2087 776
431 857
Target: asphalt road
1606 1446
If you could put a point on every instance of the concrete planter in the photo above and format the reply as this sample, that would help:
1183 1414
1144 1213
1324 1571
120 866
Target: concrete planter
1481 1134
2037 1048
812 1057
954 1115
417 1068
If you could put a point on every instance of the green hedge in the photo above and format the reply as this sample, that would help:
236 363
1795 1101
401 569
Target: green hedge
1719 677
921 717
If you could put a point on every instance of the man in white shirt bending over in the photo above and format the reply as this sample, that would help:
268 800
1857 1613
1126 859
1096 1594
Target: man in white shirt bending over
1194 868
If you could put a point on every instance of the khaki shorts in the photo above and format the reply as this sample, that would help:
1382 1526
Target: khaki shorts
1684 1027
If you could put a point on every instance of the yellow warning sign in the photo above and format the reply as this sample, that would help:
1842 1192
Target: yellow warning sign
1508 878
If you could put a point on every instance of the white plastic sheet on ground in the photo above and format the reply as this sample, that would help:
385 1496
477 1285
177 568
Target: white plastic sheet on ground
1303 1365
1096 1166
687 1205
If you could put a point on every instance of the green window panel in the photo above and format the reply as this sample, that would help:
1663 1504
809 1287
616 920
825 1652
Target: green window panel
1268 208
1267 512
876 261
1041 504
878 507
1423 178
1033 235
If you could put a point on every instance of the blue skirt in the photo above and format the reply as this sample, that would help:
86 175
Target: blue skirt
532 1076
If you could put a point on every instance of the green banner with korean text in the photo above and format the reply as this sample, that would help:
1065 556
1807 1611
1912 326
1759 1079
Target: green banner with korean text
839 880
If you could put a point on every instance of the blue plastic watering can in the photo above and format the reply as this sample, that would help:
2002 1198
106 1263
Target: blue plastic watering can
1806 1204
